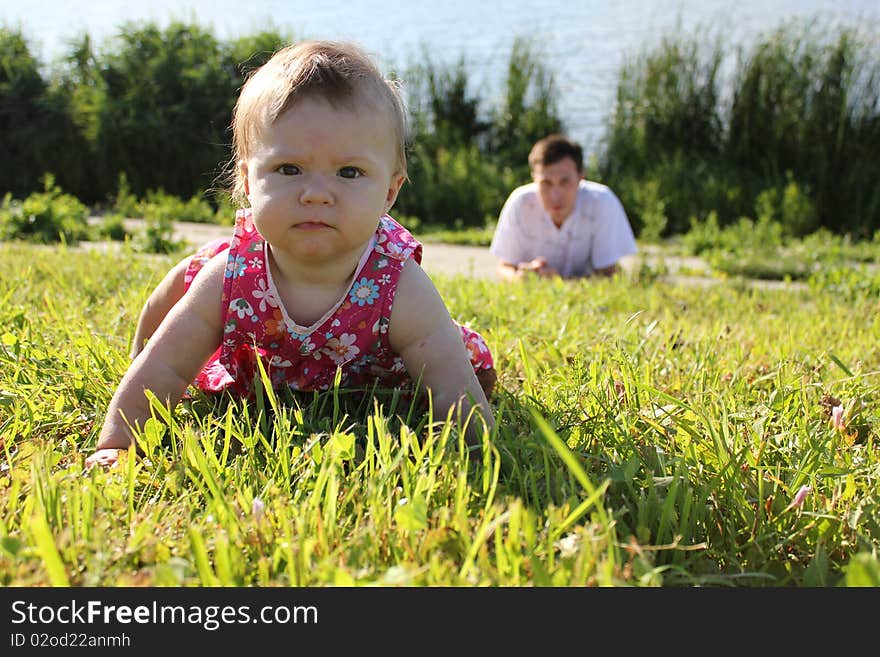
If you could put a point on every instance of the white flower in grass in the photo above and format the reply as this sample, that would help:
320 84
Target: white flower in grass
258 509
837 418
568 545
799 498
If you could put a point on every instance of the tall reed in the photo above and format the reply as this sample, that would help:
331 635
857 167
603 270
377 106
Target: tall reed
801 107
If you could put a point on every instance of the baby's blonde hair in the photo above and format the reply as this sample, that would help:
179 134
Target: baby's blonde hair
341 73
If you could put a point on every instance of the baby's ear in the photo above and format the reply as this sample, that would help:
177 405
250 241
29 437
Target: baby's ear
243 176
394 189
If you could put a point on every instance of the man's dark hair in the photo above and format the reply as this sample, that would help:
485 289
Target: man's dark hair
553 148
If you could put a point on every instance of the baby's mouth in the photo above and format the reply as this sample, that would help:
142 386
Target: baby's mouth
311 225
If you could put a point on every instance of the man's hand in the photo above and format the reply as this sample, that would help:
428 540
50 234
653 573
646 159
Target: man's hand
538 266
511 271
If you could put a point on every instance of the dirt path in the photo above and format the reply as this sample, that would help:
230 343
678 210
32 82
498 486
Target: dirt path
477 262
474 261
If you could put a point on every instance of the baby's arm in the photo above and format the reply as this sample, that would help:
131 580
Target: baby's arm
184 340
160 302
430 344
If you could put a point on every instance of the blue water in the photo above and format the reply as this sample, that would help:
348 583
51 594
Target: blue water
585 42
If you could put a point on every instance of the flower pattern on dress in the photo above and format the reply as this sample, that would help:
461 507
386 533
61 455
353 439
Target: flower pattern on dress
294 335
235 267
381 326
265 295
275 325
341 349
241 308
364 291
399 250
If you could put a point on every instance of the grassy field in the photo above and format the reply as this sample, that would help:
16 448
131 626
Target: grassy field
648 435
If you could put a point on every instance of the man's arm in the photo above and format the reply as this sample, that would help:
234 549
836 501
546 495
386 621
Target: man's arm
507 241
614 236
509 271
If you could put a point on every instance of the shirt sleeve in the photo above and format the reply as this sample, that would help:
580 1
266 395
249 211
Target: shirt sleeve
507 242
614 237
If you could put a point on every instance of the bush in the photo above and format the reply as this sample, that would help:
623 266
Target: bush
455 187
164 207
158 236
646 209
48 216
846 282
465 159
112 227
704 235
125 203
791 208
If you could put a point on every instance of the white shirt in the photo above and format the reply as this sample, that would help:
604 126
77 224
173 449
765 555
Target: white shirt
595 235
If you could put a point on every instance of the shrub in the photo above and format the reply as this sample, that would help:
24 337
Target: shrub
112 227
165 207
48 216
791 208
704 235
465 159
647 209
158 236
846 282
126 203
805 109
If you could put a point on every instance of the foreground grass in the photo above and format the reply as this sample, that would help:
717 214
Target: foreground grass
647 435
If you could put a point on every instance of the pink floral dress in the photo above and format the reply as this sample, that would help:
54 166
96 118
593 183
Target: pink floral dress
353 335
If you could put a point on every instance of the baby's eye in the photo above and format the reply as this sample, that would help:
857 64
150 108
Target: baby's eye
288 170
350 172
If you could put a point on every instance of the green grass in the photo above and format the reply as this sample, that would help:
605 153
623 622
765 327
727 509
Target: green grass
464 236
648 435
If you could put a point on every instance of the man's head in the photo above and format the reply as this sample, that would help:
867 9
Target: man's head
340 73
557 167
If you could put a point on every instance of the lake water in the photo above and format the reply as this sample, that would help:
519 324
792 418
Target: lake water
585 42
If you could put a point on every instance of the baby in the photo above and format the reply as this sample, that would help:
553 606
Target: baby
317 275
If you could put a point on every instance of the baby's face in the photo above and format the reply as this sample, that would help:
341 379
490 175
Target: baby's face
320 178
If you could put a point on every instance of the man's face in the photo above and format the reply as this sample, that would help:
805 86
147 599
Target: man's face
557 186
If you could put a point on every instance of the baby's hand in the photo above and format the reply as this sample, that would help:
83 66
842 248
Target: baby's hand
106 457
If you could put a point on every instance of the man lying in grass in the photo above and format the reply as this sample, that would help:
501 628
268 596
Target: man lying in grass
561 225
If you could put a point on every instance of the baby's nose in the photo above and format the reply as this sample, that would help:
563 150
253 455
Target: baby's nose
316 192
